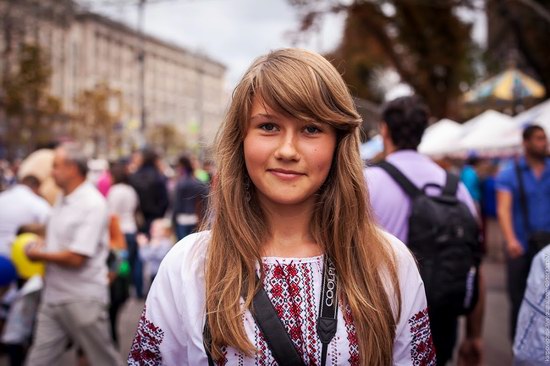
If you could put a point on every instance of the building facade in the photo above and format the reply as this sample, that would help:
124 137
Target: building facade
158 85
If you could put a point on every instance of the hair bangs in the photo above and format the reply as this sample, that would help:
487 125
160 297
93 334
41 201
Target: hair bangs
310 94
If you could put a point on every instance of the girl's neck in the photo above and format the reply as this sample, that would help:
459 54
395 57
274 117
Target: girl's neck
289 233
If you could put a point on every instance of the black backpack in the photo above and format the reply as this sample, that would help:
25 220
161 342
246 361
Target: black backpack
444 238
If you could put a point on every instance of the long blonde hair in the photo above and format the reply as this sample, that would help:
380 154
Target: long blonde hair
306 86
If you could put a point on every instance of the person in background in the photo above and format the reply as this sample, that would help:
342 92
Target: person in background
150 185
39 164
521 219
532 332
469 175
123 202
403 124
134 162
190 200
21 205
152 250
104 182
75 296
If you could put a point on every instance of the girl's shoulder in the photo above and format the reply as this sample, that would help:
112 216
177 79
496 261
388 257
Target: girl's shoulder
185 259
405 264
404 257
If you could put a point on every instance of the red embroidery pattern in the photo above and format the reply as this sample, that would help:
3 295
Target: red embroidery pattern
333 350
290 289
352 336
223 361
264 353
145 347
422 350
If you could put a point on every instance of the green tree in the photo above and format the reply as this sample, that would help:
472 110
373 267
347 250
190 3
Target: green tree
426 42
30 109
98 111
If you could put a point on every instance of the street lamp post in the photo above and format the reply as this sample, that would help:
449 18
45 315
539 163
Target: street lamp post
141 60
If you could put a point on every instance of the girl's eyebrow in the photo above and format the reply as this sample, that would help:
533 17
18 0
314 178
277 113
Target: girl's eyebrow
261 115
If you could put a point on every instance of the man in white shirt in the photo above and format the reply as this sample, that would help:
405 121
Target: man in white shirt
75 298
19 206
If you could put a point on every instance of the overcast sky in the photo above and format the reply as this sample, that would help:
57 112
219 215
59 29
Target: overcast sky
233 32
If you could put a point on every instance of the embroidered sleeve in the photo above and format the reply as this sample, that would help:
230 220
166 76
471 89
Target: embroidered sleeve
159 339
413 340
145 348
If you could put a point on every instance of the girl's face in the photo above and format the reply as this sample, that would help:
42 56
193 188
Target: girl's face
287 159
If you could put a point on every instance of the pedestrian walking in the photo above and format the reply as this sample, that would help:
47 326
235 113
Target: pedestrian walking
523 208
75 298
441 232
21 205
190 200
150 185
294 269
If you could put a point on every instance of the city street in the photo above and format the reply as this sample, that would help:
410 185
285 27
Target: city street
496 343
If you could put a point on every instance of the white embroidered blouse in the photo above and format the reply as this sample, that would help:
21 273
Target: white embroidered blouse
171 326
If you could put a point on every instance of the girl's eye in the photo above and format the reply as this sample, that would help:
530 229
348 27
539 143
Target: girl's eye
312 129
268 127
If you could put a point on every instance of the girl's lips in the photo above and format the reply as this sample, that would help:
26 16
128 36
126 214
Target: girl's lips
285 174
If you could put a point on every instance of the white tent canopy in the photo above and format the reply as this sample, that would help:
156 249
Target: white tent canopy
489 132
539 114
441 138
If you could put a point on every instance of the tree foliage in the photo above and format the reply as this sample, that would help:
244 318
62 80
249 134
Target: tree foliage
426 42
166 138
529 23
29 107
98 111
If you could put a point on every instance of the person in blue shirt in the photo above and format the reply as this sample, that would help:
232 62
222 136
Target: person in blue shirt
531 342
470 177
534 168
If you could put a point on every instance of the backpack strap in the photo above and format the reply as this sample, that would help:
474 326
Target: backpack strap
451 185
522 198
276 337
408 187
207 342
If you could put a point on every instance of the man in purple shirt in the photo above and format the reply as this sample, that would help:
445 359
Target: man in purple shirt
404 122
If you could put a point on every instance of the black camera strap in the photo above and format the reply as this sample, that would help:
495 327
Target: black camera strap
328 309
283 350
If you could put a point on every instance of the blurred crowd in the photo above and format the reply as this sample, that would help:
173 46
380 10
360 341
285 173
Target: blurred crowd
103 227
151 204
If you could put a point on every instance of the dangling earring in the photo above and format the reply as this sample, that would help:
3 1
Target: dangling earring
247 196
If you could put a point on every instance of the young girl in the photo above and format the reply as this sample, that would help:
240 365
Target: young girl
152 250
290 198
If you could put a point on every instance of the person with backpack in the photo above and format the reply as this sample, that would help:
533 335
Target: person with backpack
434 215
150 185
294 269
523 209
